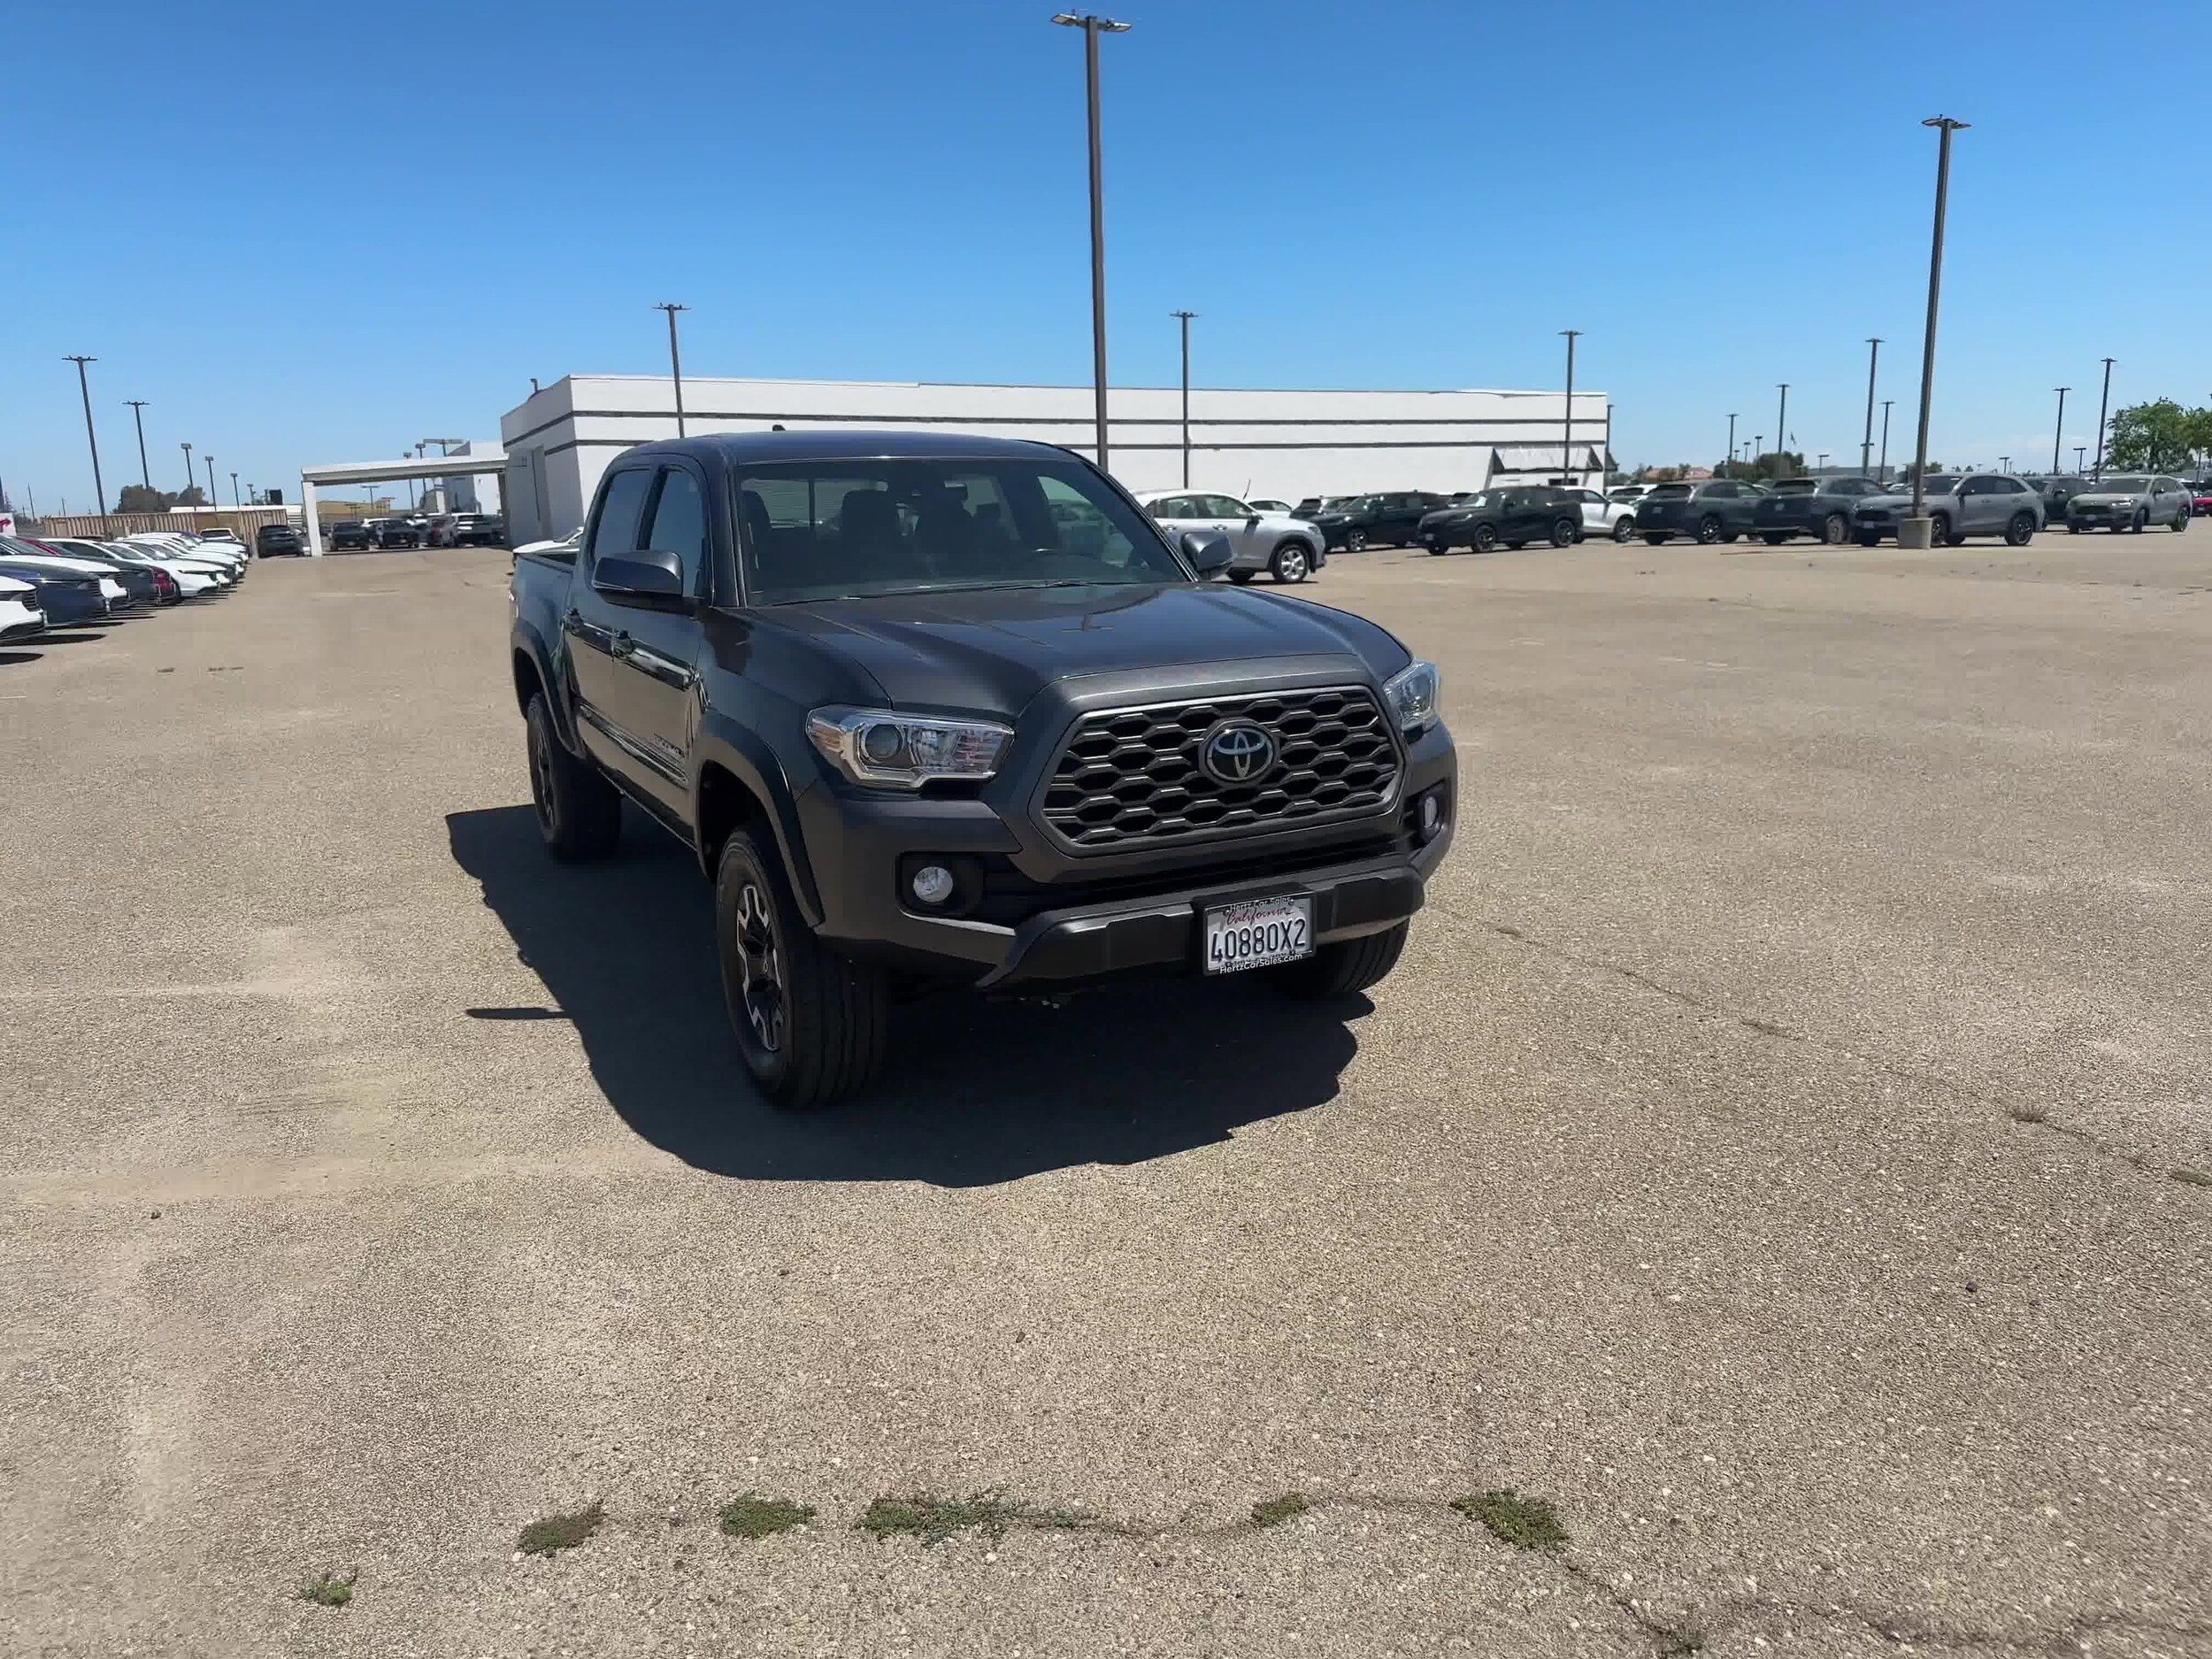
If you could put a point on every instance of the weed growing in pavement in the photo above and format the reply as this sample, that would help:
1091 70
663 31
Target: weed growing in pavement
1524 1523
1275 1512
329 1589
934 1519
560 1532
2188 1176
752 1515
2030 1115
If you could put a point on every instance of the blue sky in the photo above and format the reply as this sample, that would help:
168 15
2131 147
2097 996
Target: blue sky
322 232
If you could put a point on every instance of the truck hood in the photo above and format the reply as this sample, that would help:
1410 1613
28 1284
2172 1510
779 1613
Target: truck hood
990 651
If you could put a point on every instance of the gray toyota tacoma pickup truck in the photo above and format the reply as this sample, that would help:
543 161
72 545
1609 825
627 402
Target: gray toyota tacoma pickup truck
944 712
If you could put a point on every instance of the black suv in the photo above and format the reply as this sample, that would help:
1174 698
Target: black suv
2056 489
1516 514
932 710
398 532
349 533
1819 507
272 540
1387 520
1715 509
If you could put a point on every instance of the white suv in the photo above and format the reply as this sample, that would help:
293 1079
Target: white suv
1290 549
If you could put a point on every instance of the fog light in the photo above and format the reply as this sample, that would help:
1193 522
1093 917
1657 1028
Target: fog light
1432 815
933 884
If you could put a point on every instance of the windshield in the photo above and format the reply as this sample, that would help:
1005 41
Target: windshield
2124 486
832 529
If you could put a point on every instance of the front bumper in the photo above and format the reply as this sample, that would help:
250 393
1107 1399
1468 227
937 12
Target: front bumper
1363 876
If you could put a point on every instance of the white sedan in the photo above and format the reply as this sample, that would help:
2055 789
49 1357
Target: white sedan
166 544
21 618
112 593
1290 549
1602 515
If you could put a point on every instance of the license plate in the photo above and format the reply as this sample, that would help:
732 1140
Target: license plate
1258 934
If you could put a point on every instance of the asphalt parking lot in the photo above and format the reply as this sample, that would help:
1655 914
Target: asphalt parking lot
1786 1150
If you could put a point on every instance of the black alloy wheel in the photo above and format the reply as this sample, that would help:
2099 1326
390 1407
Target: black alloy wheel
2020 530
759 993
1486 537
1355 541
579 813
1565 533
1708 529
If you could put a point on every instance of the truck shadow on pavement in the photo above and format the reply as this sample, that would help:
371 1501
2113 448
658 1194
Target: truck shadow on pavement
975 1092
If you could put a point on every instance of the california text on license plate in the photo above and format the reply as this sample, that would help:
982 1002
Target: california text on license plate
1258 934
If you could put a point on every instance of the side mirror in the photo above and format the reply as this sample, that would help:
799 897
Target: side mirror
1208 552
1253 519
646 574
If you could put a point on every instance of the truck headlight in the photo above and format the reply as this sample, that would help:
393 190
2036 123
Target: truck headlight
885 750
1411 694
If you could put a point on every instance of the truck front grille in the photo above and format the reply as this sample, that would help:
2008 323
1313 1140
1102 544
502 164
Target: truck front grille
1131 777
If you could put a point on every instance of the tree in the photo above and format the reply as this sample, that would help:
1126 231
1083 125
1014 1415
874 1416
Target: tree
142 498
193 497
1780 464
2157 437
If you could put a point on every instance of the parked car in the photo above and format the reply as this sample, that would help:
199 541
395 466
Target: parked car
1392 519
22 615
1313 506
124 591
1514 514
348 534
194 577
478 529
1269 505
558 547
1706 510
955 747
1960 504
146 581
1819 507
392 533
22 560
2131 502
1289 550
2201 497
1628 494
2056 490
66 596
229 555
1602 515
276 540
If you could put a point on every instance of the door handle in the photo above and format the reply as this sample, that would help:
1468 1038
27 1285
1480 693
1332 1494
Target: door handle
619 643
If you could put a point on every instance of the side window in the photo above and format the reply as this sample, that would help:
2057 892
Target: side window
1226 507
1082 528
1175 507
679 523
615 530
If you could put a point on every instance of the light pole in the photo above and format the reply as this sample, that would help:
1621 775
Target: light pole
2004 464
675 362
2080 449
84 389
2058 434
213 500
145 473
1782 429
1866 443
1183 317
1731 437
1092 25
1821 462
1567 433
237 505
2103 404
191 479
1882 468
1917 531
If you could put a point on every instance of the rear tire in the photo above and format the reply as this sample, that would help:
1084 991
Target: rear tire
811 1023
1834 531
1342 969
2180 523
2020 530
1625 530
579 813
1940 532
1291 562
1485 538
1355 541
2137 527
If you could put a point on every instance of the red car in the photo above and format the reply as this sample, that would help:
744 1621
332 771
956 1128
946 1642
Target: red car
2200 499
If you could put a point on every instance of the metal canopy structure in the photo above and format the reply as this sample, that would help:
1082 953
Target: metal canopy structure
388 473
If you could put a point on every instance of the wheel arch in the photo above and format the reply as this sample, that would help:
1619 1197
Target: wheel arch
738 784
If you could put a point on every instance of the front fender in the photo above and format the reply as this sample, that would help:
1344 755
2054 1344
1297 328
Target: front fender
742 752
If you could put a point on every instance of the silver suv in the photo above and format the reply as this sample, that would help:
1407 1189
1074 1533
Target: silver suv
2129 504
1960 503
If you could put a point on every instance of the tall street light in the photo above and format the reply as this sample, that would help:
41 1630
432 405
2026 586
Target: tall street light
213 500
1917 531
1782 429
236 503
675 361
1567 434
145 473
1183 317
84 389
1882 473
1093 27
2103 404
1732 437
1866 443
2080 449
191 479
2058 434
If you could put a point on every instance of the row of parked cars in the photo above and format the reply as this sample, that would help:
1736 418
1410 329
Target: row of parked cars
437 529
48 582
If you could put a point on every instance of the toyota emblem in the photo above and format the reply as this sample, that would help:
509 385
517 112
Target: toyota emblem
1237 752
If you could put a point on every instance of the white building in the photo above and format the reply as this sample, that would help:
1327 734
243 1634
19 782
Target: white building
1280 444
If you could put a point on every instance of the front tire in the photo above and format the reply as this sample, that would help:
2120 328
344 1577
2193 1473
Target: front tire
812 1025
1624 531
1355 541
1870 538
2021 531
1834 531
1343 969
2180 523
1291 562
1485 538
579 813
1708 530
2136 528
